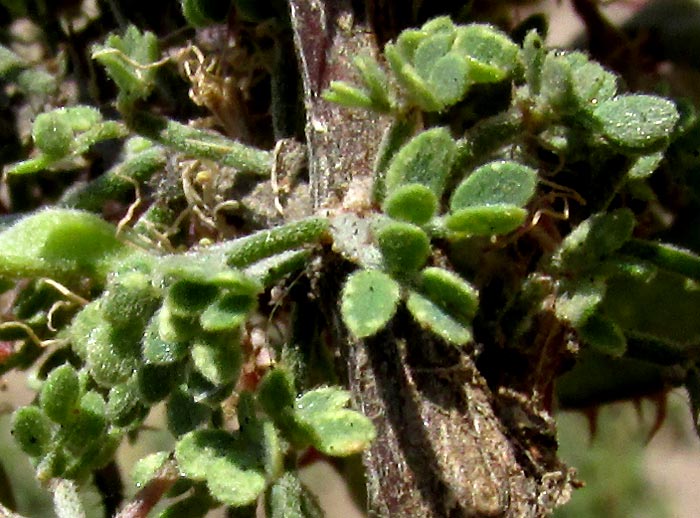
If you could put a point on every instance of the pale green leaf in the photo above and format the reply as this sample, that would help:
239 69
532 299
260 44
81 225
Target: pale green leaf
496 183
486 220
368 301
636 121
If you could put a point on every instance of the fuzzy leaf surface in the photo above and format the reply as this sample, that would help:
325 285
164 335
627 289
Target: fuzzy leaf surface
368 301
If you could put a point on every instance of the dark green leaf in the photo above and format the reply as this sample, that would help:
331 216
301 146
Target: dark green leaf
594 239
184 413
217 357
405 247
450 291
434 318
412 202
32 430
156 350
59 393
604 335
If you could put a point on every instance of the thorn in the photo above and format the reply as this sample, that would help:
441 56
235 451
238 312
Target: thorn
660 400
591 414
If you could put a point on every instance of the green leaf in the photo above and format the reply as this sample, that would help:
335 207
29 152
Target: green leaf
155 381
399 132
89 318
324 399
289 498
490 53
592 84
413 202
217 357
604 335
486 220
418 89
113 354
60 244
147 467
407 43
534 54
129 61
200 13
235 481
227 313
124 406
496 183
335 431
429 51
159 351
368 301
437 25
666 256
184 414
129 299
88 423
450 291
405 247
59 393
645 165
434 318
449 78
636 121
376 82
230 466
571 83
196 505
188 297
426 159
663 308
578 300
276 394
342 93
173 328
52 134
557 82
594 239
196 451
32 430
267 243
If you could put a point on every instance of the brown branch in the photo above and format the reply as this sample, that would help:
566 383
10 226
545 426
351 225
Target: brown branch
152 493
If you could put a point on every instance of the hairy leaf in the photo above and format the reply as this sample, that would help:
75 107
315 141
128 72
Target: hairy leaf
434 318
368 302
